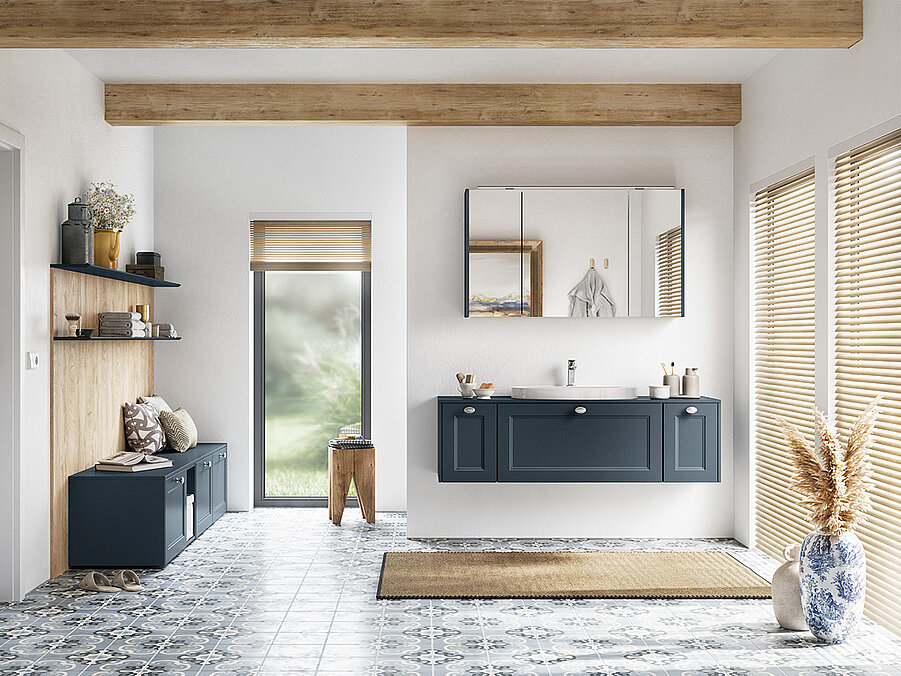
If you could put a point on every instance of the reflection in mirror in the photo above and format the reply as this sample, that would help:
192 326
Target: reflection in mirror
574 252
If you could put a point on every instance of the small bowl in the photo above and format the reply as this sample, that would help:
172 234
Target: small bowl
85 333
483 394
659 391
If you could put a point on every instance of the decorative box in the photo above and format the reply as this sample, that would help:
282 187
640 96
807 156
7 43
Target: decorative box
152 271
147 258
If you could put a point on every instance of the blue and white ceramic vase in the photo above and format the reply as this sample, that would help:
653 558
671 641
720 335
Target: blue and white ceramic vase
833 584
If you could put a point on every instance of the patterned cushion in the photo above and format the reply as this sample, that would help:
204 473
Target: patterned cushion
180 429
142 428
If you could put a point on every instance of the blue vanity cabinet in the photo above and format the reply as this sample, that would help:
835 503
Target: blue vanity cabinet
220 482
691 442
467 440
573 442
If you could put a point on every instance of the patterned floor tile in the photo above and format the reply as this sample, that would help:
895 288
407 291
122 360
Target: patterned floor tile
244 599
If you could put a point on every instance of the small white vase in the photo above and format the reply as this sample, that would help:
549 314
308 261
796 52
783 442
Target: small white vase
787 591
833 584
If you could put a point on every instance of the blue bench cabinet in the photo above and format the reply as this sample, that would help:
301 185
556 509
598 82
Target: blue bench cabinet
138 520
541 440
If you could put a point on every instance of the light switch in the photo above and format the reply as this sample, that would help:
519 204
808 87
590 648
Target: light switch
32 360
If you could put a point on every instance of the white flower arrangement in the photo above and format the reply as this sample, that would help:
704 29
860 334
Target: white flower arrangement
112 211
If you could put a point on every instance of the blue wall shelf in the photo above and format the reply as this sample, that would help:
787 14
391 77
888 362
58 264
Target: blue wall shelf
98 271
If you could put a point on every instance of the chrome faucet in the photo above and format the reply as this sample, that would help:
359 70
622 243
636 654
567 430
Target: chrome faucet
571 373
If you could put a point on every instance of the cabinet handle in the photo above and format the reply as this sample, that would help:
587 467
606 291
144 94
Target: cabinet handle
581 409
222 455
179 479
469 409
691 410
207 463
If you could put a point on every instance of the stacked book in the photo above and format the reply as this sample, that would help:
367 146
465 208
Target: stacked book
129 461
345 444
122 325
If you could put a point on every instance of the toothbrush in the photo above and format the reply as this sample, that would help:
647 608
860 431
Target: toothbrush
663 366
673 364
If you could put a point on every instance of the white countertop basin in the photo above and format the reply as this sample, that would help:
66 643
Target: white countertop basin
574 392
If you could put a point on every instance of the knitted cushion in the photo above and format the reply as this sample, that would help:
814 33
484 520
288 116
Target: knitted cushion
142 428
180 429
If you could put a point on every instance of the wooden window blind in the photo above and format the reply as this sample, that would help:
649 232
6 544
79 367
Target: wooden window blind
669 273
784 343
310 245
868 346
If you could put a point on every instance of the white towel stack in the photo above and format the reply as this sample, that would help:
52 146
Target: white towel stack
122 325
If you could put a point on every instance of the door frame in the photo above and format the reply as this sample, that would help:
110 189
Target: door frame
259 390
11 142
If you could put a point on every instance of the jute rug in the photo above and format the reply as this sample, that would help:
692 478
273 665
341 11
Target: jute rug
544 575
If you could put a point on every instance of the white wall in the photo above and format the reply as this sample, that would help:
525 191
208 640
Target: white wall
208 182
794 110
441 163
58 107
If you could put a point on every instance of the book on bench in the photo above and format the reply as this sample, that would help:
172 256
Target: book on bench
130 461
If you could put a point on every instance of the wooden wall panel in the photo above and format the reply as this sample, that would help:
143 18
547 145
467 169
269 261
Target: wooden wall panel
90 380
431 23
425 104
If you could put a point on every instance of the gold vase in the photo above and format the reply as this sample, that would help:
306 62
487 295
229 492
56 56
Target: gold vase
107 244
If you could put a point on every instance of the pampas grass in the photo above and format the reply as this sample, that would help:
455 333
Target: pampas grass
834 479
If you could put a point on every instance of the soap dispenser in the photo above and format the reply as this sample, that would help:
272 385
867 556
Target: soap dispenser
691 383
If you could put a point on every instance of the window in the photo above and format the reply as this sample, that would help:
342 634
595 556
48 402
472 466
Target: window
669 273
868 345
784 332
311 316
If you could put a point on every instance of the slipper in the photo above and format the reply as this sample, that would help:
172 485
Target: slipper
127 580
97 582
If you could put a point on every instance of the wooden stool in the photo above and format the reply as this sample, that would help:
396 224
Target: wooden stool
345 464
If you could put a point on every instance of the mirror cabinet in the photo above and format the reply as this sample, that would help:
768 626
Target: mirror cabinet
574 252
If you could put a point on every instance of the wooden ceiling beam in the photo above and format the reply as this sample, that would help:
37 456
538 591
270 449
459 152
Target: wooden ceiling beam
431 23
424 104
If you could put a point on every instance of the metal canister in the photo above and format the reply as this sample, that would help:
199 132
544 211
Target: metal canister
77 235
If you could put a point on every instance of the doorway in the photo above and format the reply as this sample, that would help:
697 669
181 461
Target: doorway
311 370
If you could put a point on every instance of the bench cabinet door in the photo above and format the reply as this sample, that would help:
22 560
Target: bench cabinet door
580 442
220 482
691 442
203 495
176 535
467 441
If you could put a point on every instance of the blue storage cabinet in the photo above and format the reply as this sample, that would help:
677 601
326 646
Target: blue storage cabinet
138 520
600 442
691 441
541 440
467 431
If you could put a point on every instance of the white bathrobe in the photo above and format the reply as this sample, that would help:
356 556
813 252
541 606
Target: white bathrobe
590 298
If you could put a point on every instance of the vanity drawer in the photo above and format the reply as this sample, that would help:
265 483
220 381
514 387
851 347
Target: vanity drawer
467 441
575 442
691 442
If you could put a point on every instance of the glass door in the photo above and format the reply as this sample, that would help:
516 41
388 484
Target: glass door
311 374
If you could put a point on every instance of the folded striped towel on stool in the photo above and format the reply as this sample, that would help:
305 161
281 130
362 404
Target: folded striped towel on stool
358 442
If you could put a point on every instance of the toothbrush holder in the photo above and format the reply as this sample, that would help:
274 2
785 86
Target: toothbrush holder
673 382
466 389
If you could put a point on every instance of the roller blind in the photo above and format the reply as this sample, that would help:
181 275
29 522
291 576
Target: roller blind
868 346
310 245
669 273
784 333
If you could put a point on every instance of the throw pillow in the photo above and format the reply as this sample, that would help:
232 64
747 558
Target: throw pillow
158 403
180 429
142 428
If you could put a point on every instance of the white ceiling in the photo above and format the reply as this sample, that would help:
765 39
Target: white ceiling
423 65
